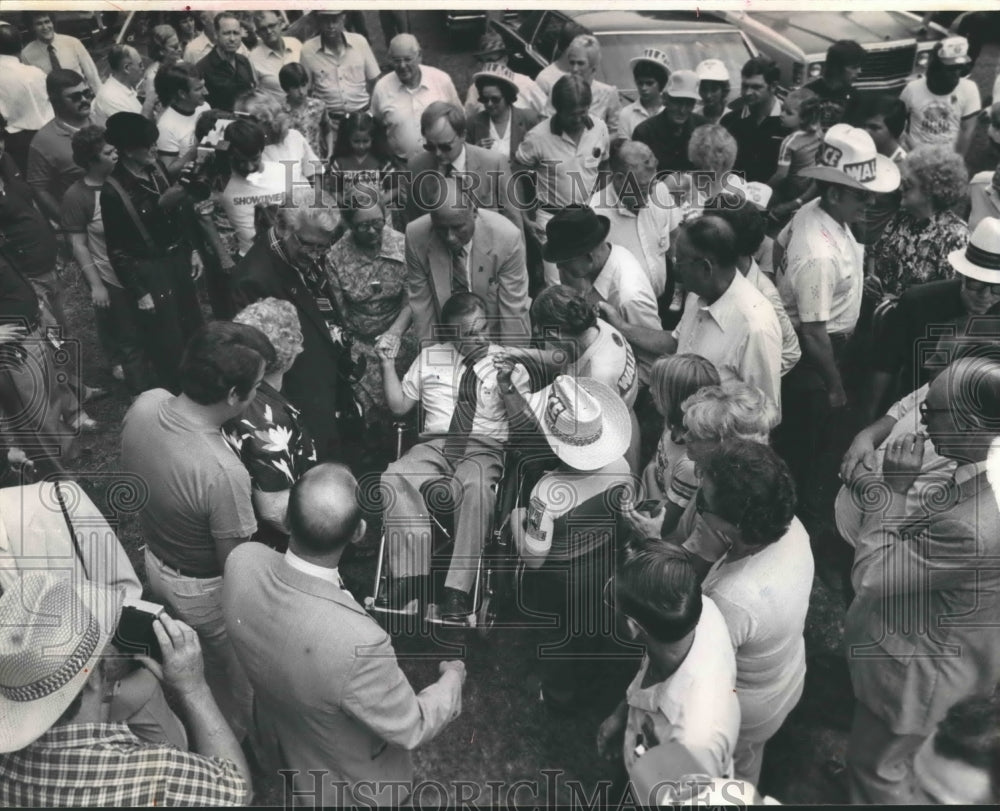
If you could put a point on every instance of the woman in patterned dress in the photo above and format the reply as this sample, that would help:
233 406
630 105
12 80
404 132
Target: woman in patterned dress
916 242
367 272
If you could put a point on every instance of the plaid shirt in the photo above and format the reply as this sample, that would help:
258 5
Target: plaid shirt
106 765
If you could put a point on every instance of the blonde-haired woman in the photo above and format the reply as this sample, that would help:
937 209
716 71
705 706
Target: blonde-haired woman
284 144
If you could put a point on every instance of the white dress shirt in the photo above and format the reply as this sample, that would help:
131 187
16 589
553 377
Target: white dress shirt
623 284
399 108
311 569
23 99
646 234
739 333
115 97
70 52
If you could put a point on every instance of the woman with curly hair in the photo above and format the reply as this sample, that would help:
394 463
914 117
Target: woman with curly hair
761 585
712 150
270 437
916 242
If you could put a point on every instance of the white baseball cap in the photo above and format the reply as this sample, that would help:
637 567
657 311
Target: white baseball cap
954 51
712 70
683 84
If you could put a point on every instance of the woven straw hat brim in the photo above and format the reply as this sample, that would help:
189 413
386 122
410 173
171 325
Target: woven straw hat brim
616 429
23 722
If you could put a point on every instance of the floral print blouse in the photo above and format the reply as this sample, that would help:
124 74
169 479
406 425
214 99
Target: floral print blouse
306 119
271 441
912 252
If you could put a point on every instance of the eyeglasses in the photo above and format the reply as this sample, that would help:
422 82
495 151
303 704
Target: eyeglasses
370 225
432 147
313 249
80 95
976 286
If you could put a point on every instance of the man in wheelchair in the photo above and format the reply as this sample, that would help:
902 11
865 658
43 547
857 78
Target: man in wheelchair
464 426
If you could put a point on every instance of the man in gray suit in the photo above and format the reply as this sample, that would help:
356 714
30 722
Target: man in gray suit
483 173
924 629
328 692
458 248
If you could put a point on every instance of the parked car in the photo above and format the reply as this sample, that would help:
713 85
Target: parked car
898 43
686 37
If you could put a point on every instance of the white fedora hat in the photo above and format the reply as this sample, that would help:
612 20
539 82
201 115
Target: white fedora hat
980 259
52 634
586 423
848 157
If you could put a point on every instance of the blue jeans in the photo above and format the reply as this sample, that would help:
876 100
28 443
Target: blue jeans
198 602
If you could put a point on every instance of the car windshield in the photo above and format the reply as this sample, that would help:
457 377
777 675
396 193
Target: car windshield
684 50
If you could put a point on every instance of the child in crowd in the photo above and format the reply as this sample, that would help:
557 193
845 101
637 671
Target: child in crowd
355 158
883 118
671 381
305 113
800 112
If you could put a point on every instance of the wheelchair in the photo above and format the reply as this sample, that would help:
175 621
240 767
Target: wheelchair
496 571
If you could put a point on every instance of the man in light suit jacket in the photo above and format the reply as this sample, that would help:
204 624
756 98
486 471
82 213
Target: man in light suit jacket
484 174
328 692
457 248
924 629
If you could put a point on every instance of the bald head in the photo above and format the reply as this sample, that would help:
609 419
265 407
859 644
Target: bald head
631 156
404 56
323 512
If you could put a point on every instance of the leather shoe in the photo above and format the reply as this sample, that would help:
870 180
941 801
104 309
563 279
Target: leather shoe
456 605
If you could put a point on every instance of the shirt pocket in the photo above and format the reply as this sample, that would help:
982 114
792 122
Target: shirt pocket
355 74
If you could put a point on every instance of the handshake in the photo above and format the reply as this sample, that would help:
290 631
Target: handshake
387 346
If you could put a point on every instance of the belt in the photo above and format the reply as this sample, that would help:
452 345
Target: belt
179 570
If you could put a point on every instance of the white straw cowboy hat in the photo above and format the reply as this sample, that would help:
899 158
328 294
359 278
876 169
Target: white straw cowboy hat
980 259
586 423
52 634
848 157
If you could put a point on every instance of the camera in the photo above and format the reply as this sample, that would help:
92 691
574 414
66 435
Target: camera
212 158
134 633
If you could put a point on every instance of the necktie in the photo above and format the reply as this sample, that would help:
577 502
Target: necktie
449 170
465 407
53 59
459 278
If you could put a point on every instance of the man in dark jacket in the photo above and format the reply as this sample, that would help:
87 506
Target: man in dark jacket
286 262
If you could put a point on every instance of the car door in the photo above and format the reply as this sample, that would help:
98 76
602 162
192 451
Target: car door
520 57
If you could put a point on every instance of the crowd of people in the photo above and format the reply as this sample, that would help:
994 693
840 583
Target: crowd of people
724 345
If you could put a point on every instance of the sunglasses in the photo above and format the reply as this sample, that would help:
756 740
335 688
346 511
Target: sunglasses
80 95
976 286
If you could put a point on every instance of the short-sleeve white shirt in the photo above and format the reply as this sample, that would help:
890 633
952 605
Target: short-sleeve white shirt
790 349
623 284
433 379
267 187
177 130
738 332
937 119
399 108
565 172
115 97
268 62
821 271
23 99
697 705
645 234
340 82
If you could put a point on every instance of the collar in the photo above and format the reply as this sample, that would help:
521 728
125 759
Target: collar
311 569
459 164
85 736
775 110
725 305
217 54
393 245
69 129
753 273
343 42
121 84
588 123
622 210
969 471
421 85
898 155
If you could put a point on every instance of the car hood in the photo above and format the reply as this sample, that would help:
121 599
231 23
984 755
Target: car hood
814 31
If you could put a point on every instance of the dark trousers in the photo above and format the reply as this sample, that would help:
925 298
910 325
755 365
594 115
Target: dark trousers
117 329
16 145
217 286
165 330
572 590
813 436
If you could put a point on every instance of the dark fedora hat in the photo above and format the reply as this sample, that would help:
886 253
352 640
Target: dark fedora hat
574 231
130 130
